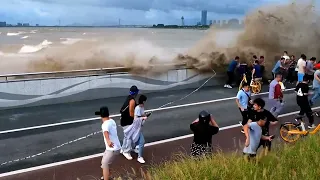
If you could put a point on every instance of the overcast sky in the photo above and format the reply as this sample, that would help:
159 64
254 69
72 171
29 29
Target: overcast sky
108 12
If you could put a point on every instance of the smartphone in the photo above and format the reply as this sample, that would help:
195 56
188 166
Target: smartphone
148 114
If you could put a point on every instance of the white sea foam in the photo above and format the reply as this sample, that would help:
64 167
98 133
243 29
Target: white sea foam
32 49
14 34
24 37
69 41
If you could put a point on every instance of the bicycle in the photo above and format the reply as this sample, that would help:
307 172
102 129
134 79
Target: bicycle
254 84
292 130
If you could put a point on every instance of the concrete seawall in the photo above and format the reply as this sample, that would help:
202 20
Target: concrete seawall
46 91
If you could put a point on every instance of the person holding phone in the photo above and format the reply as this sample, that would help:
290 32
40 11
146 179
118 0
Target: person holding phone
253 133
134 131
258 113
203 129
243 101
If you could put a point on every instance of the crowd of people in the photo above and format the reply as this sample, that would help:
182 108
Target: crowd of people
255 118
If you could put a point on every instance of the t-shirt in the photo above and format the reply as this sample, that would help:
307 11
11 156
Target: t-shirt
139 111
232 66
255 133
243 98
316 83
203 132
300 66
302 90
111 127
257 72
309 68
276 67
256 116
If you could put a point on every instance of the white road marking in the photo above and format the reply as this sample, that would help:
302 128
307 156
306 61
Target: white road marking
118 115
100 154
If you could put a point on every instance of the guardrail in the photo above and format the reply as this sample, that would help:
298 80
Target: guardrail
75 73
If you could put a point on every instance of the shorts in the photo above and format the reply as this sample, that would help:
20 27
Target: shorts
300 77
108 157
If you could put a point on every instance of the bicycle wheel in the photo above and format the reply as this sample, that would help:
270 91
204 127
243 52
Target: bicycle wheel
289 137
256 87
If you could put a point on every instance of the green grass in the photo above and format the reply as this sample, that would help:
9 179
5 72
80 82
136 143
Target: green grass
285 162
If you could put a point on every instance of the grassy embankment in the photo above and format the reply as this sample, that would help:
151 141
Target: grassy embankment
286 162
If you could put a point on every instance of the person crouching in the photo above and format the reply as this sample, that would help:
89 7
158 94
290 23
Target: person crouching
203 128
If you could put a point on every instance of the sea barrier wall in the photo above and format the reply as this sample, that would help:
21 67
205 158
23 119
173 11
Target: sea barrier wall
54 90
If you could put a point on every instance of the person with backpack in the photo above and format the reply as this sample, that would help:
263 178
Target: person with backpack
127 116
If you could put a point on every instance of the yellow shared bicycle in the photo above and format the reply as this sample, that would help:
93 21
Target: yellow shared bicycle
254 84
291 132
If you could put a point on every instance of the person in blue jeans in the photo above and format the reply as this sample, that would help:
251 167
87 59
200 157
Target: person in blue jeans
315 86
134 131
230 72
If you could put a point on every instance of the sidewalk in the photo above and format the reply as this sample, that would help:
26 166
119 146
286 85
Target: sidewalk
228 139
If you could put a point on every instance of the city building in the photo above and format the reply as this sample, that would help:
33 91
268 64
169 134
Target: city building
204 17
210 22
19 24
3 24
25 24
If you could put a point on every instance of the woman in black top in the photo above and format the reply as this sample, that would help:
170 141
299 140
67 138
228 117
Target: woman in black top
203 128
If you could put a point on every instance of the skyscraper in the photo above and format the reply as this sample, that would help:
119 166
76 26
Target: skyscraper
204 17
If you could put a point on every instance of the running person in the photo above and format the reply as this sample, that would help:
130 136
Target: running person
256 72
253 133
230 72
258 113
301 67
243 101
316 85
302 90
276 96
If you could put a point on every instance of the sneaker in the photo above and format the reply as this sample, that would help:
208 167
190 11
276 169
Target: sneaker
121 151
225 86
228 86
312 126
127 155
242 131
141 160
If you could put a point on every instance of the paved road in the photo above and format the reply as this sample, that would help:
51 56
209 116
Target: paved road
226 140
161 125
34 116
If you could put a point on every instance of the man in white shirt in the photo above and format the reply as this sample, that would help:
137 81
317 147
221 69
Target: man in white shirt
111 140
301 67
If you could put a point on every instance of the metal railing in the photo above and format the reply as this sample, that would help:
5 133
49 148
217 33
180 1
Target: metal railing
76 73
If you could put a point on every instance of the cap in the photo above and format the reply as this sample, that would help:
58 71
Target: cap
134 90
104 112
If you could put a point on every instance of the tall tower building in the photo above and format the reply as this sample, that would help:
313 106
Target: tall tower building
182 21
204 17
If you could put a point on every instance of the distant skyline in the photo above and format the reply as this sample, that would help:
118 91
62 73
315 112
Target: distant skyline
108 12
